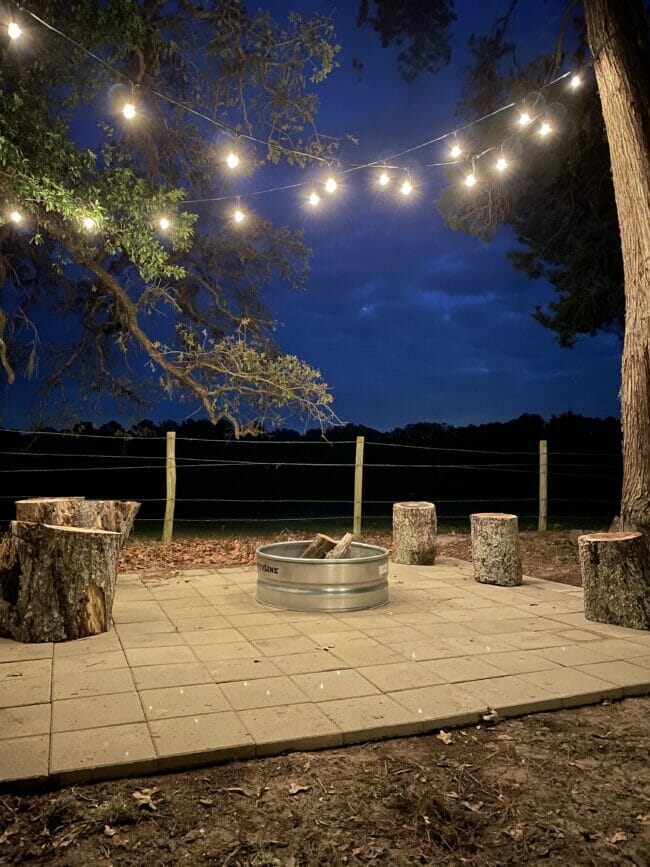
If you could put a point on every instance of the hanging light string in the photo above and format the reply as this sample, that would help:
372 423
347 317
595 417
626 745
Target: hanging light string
130 113
329 186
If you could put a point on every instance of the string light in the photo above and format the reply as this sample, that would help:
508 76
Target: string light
164 223
330 185
16 217
501 164
232 160
455 151
406 189
88 224
239 216
384 179
524 119
313 199
14 30
470 180
129 111
545 128
575 82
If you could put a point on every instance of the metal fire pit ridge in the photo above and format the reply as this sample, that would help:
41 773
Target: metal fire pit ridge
285 580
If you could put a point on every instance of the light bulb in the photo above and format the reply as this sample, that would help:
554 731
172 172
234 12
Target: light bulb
239 216
384 180
524 118
16 217
455 151
575 82
164 223
502 164
88 223
406 189
232 160
545 128
129 111
314 199
470 180
330 185
14 30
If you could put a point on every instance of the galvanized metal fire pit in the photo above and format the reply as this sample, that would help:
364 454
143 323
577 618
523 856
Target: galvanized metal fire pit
285 580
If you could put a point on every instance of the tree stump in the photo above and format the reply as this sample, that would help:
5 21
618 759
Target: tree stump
414 533
57 583
58 511
616 578
114 515
495 549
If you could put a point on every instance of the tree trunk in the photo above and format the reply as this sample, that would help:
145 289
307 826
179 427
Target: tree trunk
495 549
114 515
615 579
414 533
619 42
56 583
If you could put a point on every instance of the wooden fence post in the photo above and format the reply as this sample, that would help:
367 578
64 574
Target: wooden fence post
543 486
168 526
358 488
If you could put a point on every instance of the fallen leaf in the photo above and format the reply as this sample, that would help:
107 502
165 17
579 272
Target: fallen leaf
474 806
9 832
145 798
618 837
491 717
295 789
645 819
236 790
207 802
109 832
426 820
444 736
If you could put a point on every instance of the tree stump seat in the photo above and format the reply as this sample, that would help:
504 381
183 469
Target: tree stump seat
615 578
414 533
58 567
495 549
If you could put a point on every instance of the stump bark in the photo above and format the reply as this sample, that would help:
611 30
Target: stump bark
414 533
114 515
57 583
495 549
615 578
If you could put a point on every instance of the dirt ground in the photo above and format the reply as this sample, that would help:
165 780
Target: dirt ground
562 788
552 555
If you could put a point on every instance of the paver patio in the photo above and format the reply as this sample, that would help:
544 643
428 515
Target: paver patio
196 671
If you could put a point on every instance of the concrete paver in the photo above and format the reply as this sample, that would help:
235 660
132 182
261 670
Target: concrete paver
73 714
196 671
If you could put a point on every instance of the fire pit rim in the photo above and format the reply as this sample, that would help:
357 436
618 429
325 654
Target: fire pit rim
378 553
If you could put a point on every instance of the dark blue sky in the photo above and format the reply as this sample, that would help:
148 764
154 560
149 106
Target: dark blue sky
407 320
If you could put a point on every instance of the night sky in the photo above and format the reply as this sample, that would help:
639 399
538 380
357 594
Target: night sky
407 320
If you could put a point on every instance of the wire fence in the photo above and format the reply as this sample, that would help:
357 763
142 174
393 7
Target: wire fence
221 483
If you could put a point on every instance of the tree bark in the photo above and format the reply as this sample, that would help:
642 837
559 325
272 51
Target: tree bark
414 533
114 515
56 583
495 549
615 579
619 42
